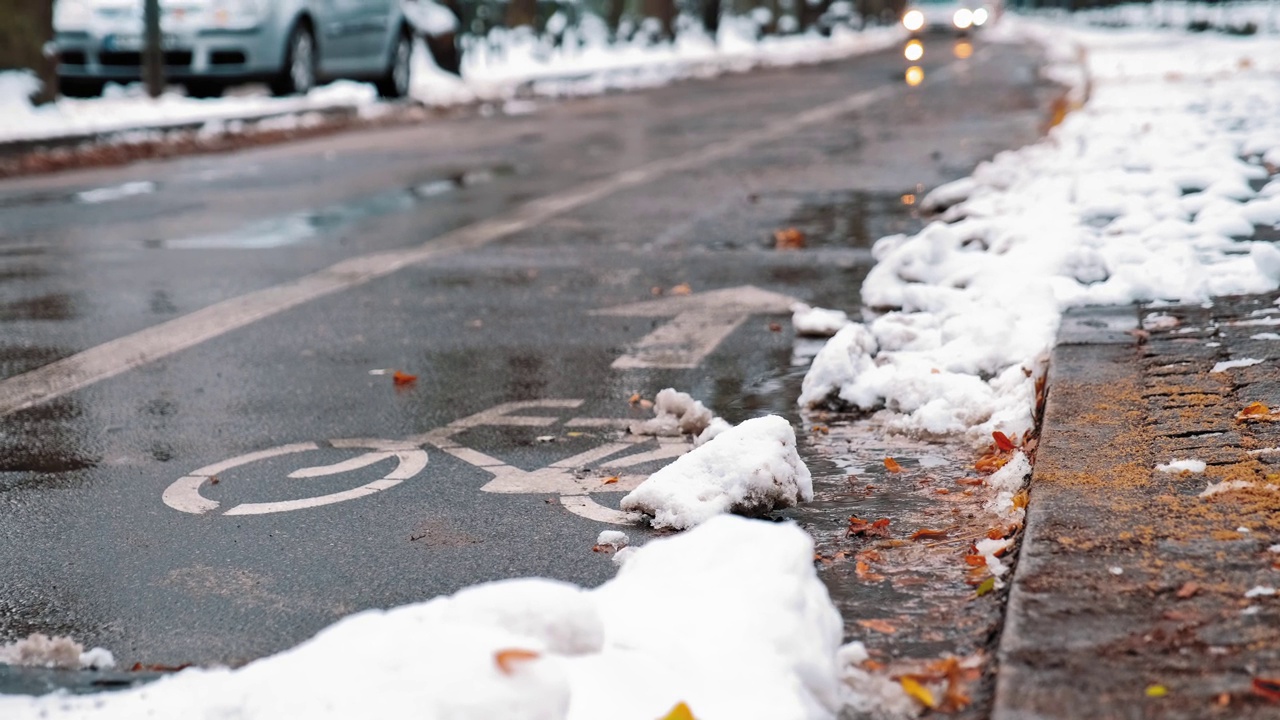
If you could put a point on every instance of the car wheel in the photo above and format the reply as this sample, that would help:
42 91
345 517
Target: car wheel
298 75
78 88
395 84
205 89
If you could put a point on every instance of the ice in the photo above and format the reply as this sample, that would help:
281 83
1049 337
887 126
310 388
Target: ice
749 469
1226 365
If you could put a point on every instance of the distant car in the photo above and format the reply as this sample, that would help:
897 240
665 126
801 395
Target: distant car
955 16
211 44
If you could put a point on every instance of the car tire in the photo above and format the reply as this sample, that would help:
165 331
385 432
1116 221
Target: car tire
298 74
205 89
79 88
395 83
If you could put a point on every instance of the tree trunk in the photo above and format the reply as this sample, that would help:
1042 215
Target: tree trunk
522 12
711 16
665 12
27 25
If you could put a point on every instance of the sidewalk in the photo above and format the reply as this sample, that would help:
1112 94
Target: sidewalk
1137 593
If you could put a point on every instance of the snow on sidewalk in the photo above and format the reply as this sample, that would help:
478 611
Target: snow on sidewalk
729 618
1149 192
493 71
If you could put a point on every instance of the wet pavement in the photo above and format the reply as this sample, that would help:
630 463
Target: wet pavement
302 402
1137 593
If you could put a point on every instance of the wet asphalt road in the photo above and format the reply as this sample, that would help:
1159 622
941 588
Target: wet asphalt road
88 547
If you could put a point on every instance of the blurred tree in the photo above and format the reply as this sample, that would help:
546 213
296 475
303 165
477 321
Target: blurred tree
664 11
522 12
25 27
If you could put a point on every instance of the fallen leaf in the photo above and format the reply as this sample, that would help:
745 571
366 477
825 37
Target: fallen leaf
775 327
574 434
1157 691
610 480
880 626
682 289
942 491
507 659
990 462
634 399
213 480
921 693
1002 441
929 534
864 572
987 586
973 559
655 290
892 465
821 429
788 239
139 667
1224 699
1256 411
1021 499
680 712
1268 688
970 481
401 379
868 556
1187 590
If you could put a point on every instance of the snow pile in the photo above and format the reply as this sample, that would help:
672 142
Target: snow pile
748 469
677 413
1179 466
729 618
63 653
817 322
1147 193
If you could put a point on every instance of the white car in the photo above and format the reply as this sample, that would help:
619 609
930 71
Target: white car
210 44
956 16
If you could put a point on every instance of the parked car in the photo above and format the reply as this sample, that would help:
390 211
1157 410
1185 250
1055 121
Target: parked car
211 44
955 16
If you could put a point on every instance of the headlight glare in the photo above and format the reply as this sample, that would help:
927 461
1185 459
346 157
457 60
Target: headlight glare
980 16
963 19
913 20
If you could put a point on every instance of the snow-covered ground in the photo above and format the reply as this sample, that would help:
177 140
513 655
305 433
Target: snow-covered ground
1148 192
494 71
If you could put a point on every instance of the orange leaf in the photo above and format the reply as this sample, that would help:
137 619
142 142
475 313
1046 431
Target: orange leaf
919 692
975 560
1021 499
682 289
928 534
880 626
680 712
970 481
1002 441
1187 590
401 379
507 659
789 239
1268 688
990 463
864 572
892 465
610 480
1255 409
635 398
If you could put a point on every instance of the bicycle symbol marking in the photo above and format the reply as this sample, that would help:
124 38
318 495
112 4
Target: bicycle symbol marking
574 478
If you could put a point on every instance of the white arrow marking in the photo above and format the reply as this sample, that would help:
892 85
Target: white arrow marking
701 323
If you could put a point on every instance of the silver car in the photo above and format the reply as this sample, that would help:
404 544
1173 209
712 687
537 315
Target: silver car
210 44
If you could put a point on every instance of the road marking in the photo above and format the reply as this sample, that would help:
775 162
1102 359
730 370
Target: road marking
702 321
145 346
184 493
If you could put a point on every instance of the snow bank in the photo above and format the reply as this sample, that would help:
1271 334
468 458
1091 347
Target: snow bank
817 322
39 650
1147 193
675 414
748 469
729 618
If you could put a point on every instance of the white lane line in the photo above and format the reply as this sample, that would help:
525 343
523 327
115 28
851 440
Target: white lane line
132 351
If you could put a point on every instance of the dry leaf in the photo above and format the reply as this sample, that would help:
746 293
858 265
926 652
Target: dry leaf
634 399
1157 691
1187 590
1268 688
987 586
680 712
990 462
1255 411
822 429
864 572
970 481
1021 499
775 327
610 480
1002 441
973 559
788 239
401 379
682 289
507 659
919 692
929 534
892 465
880 626
858 526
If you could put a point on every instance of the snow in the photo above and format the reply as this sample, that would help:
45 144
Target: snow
1179 466
494 70
817 322
39 650
1141 194
676 413
751 468
729 618
1226 365
615 539
1260 591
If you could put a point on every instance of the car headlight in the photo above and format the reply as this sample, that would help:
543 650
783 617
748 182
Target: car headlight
236 14
963 19
980 16
71 15
913 20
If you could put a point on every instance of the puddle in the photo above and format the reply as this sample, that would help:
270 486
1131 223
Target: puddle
304 226
92 196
